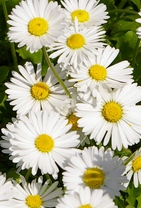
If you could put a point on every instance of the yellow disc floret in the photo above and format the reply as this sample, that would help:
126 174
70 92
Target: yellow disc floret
136 164
82 15
85 206
72 119
98 72
38 26
112 111
40 91
75 41
44 143
94 177
34 201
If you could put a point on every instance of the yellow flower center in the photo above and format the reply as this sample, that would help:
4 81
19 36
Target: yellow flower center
98 72
82 15
34 201
94 177
38 26
44 143
112 111
40 91
85 206
136 164
75 41
72 119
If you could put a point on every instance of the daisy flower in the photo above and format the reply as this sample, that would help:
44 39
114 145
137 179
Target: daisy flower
35 23
6 191
133 169
85 198
76 44
28 91
96 169
99 71
35 194
116 117
88 12
42 141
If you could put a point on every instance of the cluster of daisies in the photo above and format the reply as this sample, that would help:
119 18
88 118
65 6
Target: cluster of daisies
70 121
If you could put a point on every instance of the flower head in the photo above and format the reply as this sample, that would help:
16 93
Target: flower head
96 169
40 141
35 194
116 117
28 91
35 23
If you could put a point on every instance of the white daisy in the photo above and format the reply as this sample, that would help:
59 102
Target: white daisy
28 91
6 191
97 169
139 28
88 12
116 117
41 141
99 71
35 194
35 23
85 198
76 44
133 169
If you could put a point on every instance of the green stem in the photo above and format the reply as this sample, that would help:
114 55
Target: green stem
129 159
121 4
28 174
127 11
135 53
11 44
54 72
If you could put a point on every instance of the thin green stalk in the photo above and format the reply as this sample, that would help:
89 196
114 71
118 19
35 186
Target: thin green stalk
11 44
121 4
135 53
127 11
129 159
28 174
54 72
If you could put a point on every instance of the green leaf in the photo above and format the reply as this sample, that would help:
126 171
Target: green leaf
137 3
133 194
4 70
33 57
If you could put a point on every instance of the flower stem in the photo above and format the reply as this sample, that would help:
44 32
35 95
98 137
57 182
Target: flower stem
135 53
54 72
129 159
28 174
121 4
11 44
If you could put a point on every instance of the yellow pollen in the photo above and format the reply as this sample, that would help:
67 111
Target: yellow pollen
72 119
40 91
136 164
44 143
94 177
38 26
112 112
34 201
85 206
75 41
82 15
98 72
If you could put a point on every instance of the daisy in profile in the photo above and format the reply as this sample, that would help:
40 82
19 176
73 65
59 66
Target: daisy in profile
99 71
96 169
88 12
6 192
35 194
76 44
41 141
28 91
116 117
35 23
133 169
85 198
